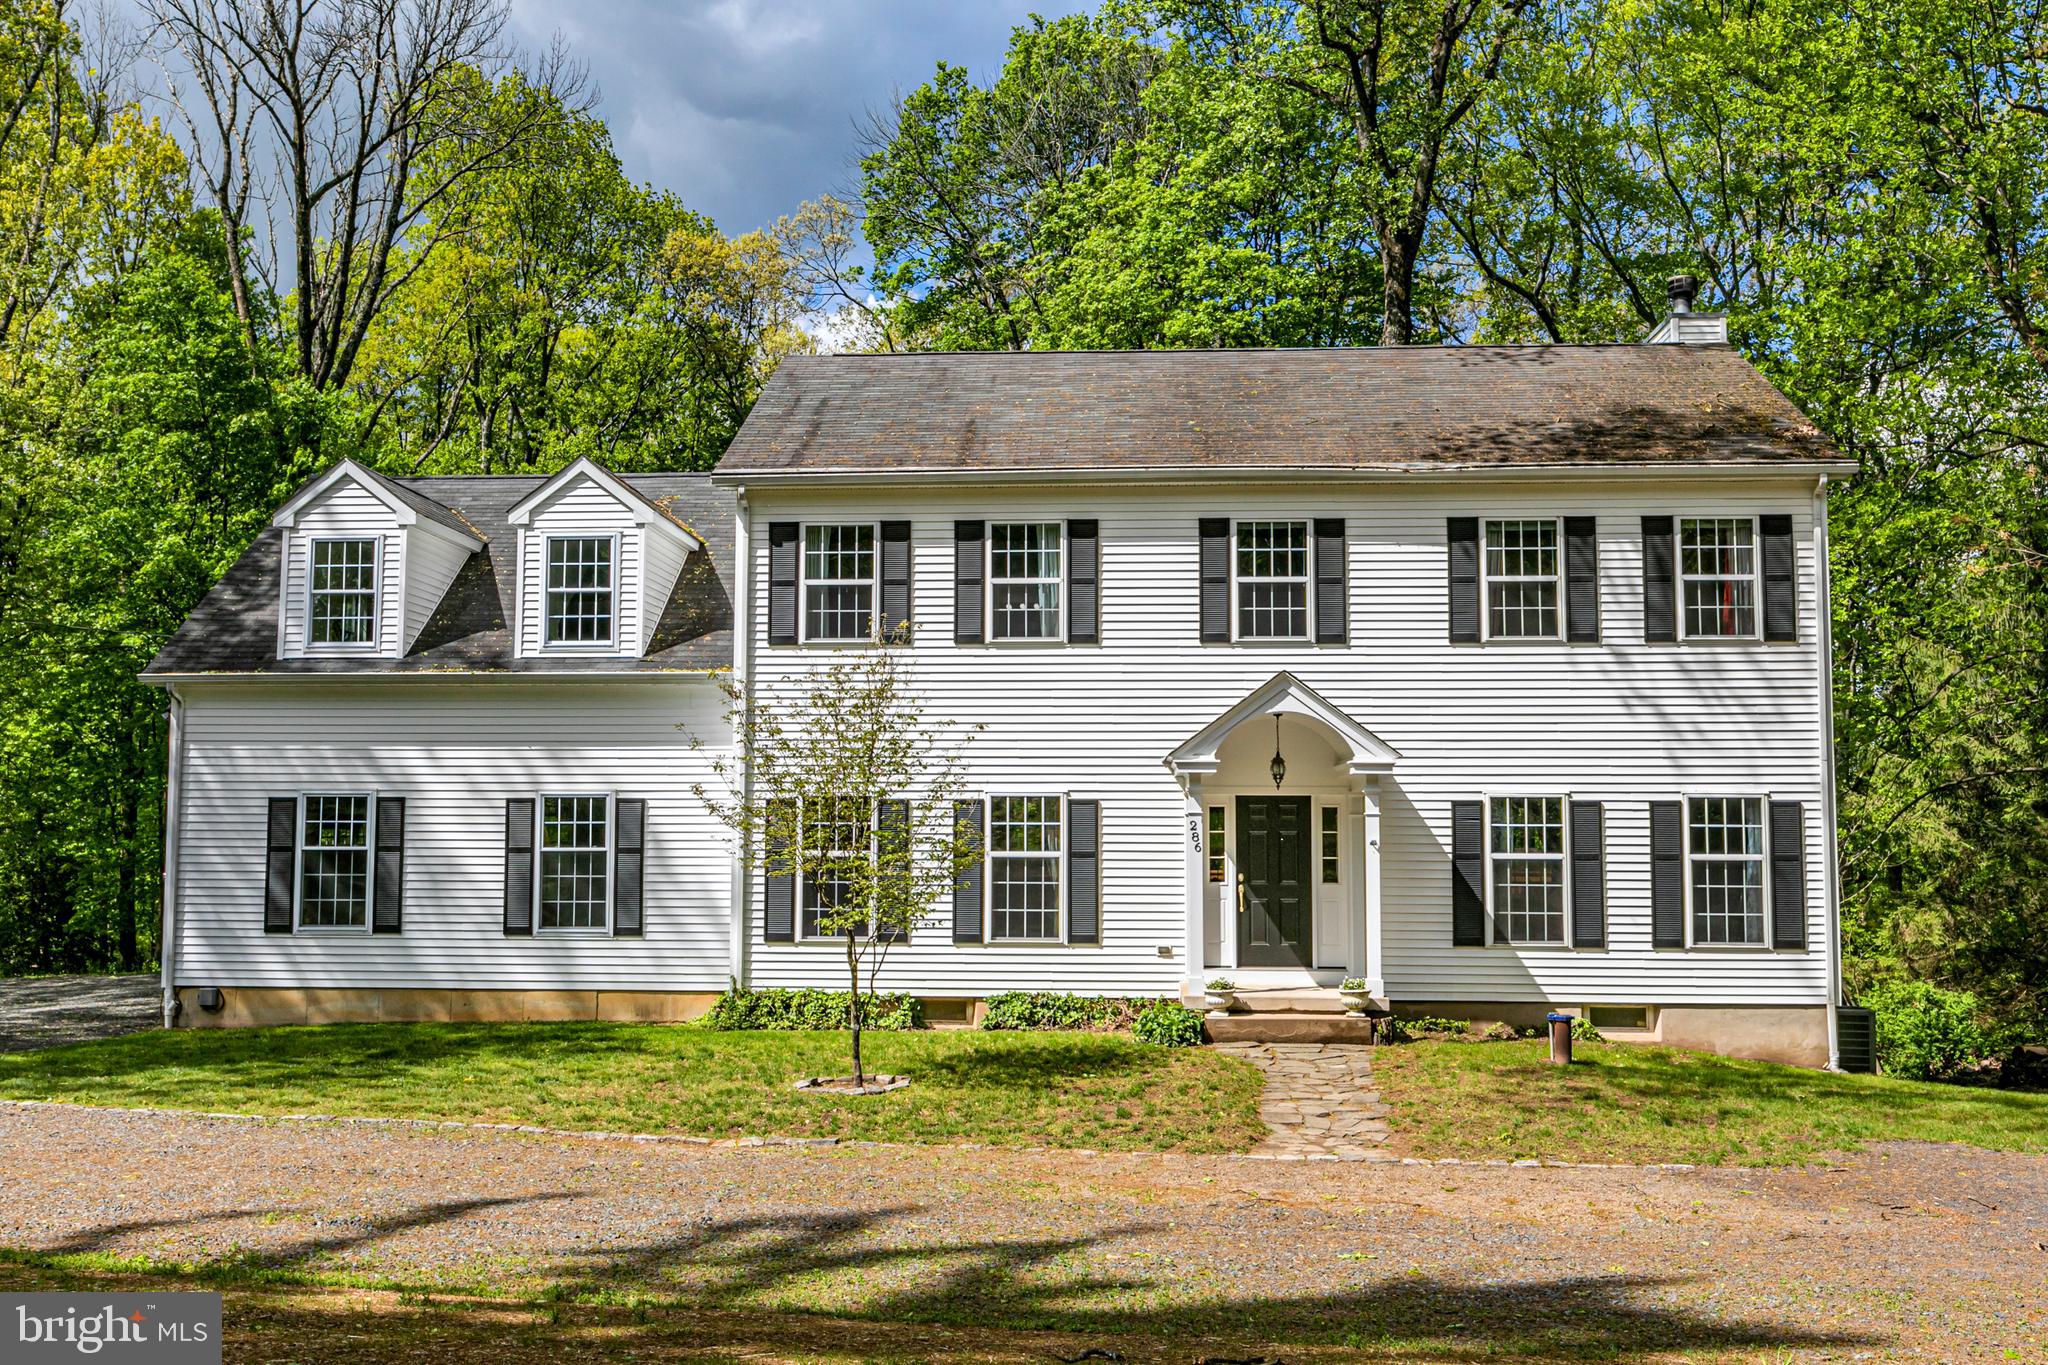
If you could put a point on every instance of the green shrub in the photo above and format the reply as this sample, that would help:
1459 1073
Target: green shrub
1168 1023
811 1009
1032 1010
1926 1033
1584 1032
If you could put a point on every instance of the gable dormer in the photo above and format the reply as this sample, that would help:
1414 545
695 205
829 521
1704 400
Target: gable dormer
598 561
365 562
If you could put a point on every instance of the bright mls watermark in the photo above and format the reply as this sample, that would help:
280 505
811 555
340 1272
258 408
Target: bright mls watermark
163 1329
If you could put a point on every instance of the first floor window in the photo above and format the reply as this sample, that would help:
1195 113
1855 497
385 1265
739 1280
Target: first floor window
575 843
1725 843
1272 580
1024 867
839 582
1024 581
1521 580
334 862
1328 835
836 834
579 597
1527 850
1215 844
342 592
1717 570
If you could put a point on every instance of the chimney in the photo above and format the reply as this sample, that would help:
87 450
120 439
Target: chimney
1683 327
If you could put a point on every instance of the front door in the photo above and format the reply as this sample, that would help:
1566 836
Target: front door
1273 928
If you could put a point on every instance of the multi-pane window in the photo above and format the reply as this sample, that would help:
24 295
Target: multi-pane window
1328 836
1521 580
579 594
1725 840
839 582
574 864
334 862
1717 567
1023 867
1272 580
1024 580
342 592
1528 868
836 832
1214 845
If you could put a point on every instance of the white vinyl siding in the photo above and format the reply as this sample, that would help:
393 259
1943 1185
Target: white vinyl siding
1025 581
1523 574
1718 577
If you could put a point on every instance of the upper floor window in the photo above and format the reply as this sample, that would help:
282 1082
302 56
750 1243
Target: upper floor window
1024 868
1717 571
1523 573
334 862
1272 580
1725 847
575 867
342 592
839 582
1527 853
1024 580
579 590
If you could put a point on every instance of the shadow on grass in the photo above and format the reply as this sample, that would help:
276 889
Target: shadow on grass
847 1266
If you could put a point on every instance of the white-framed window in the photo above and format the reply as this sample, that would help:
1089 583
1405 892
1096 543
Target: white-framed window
1026 580
839 582
1526 881
1717 577
1724 842
341 591
847 824
1271 562
1026 860
1327 845
1524 570
581 576
335 863
574 848
1214 847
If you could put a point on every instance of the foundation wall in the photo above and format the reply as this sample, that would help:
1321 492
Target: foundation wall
1794 1035
267 1006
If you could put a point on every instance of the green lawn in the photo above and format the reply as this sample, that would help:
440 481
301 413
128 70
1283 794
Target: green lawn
1629 1103
1007 1089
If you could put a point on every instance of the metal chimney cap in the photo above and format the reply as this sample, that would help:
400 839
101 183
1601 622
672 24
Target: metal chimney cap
1681 290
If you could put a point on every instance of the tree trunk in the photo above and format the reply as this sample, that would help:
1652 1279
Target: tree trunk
853 999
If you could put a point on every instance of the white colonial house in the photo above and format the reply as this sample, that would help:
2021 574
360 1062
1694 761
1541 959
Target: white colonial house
1496 676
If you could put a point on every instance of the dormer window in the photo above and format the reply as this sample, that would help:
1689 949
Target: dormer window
579 596
341 604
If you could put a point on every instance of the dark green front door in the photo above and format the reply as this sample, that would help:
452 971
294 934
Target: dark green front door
1272 864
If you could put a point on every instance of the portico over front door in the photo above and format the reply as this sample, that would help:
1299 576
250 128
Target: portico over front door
1273 891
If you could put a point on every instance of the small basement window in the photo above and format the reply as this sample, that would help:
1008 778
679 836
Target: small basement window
1619 1016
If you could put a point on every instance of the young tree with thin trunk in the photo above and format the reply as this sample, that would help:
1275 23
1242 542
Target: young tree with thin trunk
844 786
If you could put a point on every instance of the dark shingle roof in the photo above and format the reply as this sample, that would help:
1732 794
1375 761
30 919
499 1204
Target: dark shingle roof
234 628
1394 408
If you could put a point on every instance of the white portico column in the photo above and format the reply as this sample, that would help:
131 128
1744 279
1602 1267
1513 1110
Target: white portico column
1373 967
1198 871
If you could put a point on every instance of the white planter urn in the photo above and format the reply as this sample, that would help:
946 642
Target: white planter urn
1219 1002
1356 1002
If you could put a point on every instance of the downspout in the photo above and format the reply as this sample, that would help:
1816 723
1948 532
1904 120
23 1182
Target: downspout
174 822
743 678
1832 863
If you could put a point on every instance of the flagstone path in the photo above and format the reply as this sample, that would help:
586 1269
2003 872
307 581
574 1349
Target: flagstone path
1318 1101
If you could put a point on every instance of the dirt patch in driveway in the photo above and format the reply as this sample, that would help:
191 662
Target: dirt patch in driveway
49 1011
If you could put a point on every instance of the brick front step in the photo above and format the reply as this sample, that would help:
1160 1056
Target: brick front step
1287 1028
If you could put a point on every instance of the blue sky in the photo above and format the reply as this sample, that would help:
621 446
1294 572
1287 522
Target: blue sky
745 108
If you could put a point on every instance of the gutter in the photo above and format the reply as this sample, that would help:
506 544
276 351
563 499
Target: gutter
743 674
683 675
1832 867
1203 474
174 824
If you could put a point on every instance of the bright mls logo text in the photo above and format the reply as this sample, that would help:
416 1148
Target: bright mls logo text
169 1328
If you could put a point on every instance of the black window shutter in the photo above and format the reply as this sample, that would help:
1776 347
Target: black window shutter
629 867
1788 875
1084 871
519 866
1332 624
967 884
1589 877
1667 874
1084 589
1582 580
896 580
1781 581
778 889
281 845
892 828
1461 534
1468 876
1215 532
387 915
1660 597
785 540
968 537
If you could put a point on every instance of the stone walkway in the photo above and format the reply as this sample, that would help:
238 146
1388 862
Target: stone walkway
1318 1100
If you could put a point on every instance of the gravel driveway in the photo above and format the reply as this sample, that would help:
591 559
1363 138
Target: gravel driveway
1910 1252
44 1011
